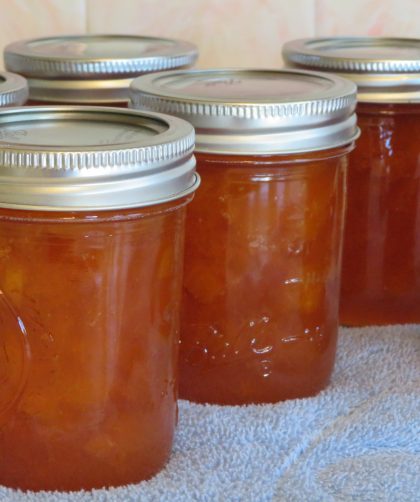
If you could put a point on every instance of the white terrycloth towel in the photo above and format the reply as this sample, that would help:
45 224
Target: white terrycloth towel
359 440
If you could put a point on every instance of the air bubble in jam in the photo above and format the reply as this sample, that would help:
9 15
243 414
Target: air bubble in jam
263 350
293 280
296 247
266 368
215 332
312 334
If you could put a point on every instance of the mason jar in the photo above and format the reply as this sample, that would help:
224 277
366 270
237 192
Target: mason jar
92 69
92 210
13 89
263 240
381 260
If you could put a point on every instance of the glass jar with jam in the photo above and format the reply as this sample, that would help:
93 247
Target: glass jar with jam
263 239
381 256
92 211
92 69
13 89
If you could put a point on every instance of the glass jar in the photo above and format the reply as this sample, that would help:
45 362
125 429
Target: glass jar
92 69
381 259
13 89
263 239
92 211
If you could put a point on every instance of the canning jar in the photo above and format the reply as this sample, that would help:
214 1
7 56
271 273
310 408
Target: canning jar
13 89
92 69
381 258
263 239
92 210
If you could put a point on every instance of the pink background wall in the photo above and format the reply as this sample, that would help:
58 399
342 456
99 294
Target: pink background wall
228 32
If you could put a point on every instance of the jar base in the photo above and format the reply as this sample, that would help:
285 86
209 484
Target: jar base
379 313
90 482
204 396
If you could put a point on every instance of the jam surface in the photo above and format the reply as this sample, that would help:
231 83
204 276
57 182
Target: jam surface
96 299
261 277
381 258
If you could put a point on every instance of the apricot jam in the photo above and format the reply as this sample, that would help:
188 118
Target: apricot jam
91 256
381 260
98 297
264 232
92 69
381 256
259 319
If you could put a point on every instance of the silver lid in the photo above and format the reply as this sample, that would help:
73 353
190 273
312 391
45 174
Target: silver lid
83 158
386 70
74 92
13 89
254 111
93 68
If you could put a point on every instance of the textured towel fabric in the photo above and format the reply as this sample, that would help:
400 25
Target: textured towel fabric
359 440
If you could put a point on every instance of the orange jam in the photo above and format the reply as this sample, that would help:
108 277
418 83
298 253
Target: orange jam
262 265
97 297
381 255
92 218
381 260
264 233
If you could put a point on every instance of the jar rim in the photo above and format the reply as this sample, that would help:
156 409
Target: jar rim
13 89
385 69
67 158
96 56
93 68
245 111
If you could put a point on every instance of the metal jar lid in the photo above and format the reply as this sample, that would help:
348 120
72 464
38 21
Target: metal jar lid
92 68
13 89
386 70
254 112
68 158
